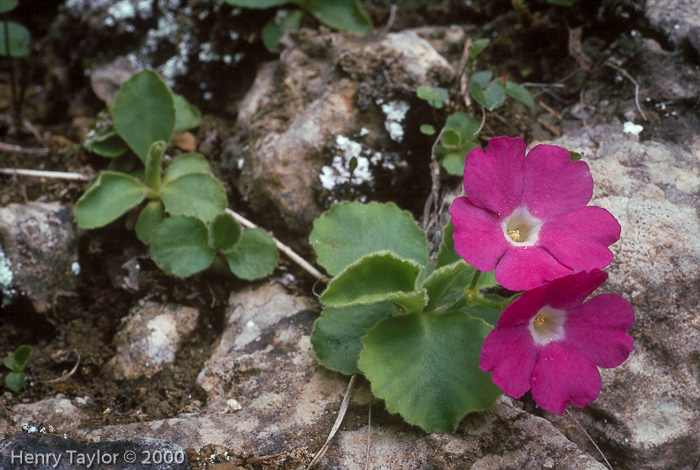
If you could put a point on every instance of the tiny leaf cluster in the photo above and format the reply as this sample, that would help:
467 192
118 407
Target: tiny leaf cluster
17 362
182 207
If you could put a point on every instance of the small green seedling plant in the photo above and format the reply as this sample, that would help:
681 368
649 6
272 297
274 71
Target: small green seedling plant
460 133
181 205
343 15
17 362
14 44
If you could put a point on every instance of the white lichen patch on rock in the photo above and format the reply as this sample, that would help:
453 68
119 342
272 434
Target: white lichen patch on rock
5 279
338 172
395 112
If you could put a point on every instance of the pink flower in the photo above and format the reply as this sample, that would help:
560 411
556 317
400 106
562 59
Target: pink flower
550 342
527 216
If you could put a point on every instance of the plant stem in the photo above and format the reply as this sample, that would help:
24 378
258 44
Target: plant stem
475 279
13 80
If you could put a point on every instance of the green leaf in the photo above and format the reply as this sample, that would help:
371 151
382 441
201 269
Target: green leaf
426 367
450 139
187 115
435 96
153 159
21 357
520 93
273 31
338 332
478 47
343 15
109 145
446 253
257 4
144 112
482 78
180 246
453 162
574 156
446 285
150 217
15 381
19 37
350 230
255 256
195 194
488 314
110 196
224 232
465 125
185 164
7 5
377 277
561 3
427 129
491 96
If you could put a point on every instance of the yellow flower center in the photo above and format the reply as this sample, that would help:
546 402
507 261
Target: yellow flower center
548 325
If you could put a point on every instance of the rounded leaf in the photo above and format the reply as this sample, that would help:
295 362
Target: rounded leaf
187 115
255 256
180 246
185 164
351 230
224 232
195 194
109 196
144 112
338 332
426 367
109 145
21 357
343 15
150 217
19 37
7 5
15 381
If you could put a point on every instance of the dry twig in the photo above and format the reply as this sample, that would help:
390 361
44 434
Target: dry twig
57 175
590 439
17 149
68 374
636 86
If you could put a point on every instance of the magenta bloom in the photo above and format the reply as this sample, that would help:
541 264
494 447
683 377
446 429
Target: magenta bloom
527 216
550 342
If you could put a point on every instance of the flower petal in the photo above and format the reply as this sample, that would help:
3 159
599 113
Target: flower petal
493 179
580 239
510 354
524 308
523 268
569 292
563 375
553 185
478 235
598 329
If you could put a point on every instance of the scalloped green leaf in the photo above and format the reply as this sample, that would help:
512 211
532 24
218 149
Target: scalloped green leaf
450 139
15 381
109 145
520 93
255 256
343 15
377 277
426 367
224 232
187 115
180 246
194 194
446 285
351 230
150 217
110 196
338 332
19 39
446 253
144 112
186 164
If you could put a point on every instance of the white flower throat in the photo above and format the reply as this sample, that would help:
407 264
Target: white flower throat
548 325
521 228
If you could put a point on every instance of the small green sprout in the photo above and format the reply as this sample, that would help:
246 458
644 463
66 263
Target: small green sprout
17 362
14 44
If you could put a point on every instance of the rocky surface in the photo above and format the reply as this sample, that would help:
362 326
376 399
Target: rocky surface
265 363
39 243
45 451
58 414
329 98
150 338
678 19
649 409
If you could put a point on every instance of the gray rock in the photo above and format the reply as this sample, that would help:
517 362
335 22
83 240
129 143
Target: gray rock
298 121
46 452
58 414
40 254
150 338
265 362
678 19
107 79
649 408
667 77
